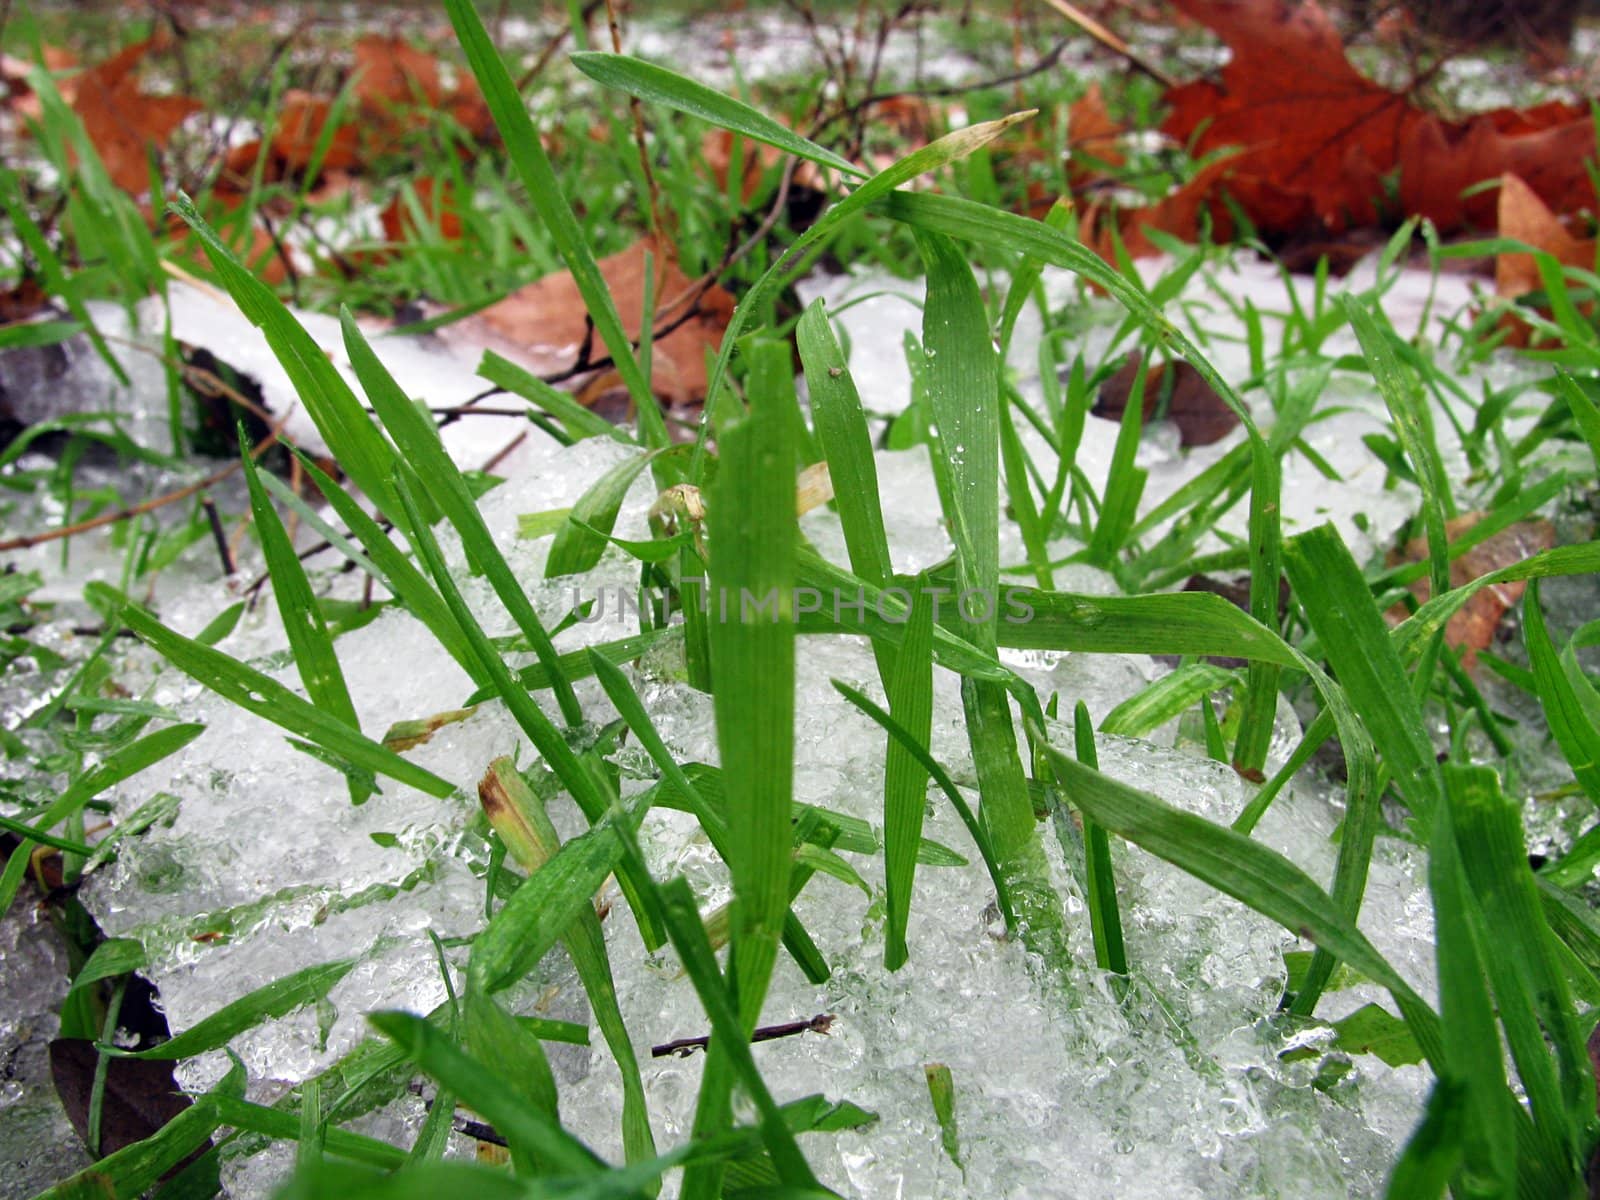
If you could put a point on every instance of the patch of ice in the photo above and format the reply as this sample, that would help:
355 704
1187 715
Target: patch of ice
1050 1066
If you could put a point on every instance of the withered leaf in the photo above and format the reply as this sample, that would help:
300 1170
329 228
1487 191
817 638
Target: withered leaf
140 1096
1172 390
1473 628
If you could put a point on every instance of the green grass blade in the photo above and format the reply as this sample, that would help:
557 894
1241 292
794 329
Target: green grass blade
1425 1167
1197 623
266 697
847 446
1571 725
314 655
1414 429
942 1094
1495 859
1430 618
1472 1046
511 1049
52 271
962 377
124 764
729 1030
338 415
1125 481
1100 884
1166 699
575 776
396 571
575 664
961 374
518 1122
1249 872
539 177
1339 605
967 221
276 999
905 779
751 521
284 1126
418 441
661 86
580 421
1585 414
424 1181
852 834
582 538
134 1170
711 818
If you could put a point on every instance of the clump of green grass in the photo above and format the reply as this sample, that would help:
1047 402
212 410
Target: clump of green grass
1518 948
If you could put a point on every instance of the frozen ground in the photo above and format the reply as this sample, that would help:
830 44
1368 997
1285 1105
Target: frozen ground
1063 1088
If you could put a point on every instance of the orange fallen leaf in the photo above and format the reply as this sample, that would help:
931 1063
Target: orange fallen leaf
1318 141
1527 218
302 119
1093 138
438 203
126 124
544 325
1473 628
1293 104
1174 390
390 73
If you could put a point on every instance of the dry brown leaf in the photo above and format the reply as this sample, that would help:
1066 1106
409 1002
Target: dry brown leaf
390 73
544 325
301 121
438 203
1473 628
1317 139
1093 138
1188 401
1291 101
124 123
1527 218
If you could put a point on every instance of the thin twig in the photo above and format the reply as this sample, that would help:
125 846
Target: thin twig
28 540
1110 40
219 535
683 1047
652 189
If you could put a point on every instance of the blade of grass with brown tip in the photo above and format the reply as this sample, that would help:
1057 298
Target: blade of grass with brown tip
519 816
264 696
